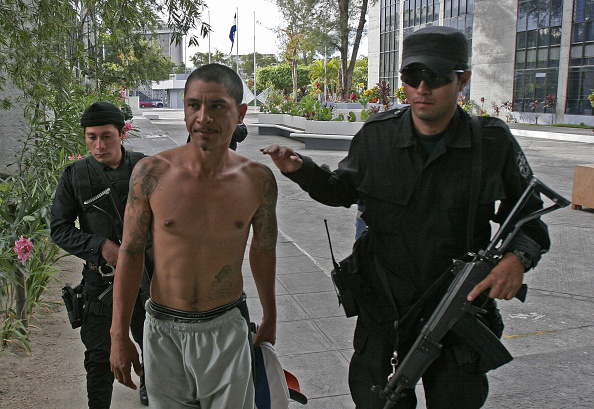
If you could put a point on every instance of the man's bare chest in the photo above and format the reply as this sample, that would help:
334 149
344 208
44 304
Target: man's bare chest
208 207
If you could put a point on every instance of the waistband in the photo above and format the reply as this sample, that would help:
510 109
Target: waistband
162 312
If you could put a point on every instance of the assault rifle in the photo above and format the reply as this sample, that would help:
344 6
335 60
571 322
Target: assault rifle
455 312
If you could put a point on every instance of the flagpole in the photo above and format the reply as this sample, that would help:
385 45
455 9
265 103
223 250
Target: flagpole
255 93
237 39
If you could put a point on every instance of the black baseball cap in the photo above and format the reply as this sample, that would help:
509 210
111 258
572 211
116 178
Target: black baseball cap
441 49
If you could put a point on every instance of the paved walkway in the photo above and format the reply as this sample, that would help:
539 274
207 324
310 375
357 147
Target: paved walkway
550 336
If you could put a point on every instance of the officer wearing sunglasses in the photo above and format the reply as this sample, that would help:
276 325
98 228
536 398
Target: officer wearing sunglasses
413 169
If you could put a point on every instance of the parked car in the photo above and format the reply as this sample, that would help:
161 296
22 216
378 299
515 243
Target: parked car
150 103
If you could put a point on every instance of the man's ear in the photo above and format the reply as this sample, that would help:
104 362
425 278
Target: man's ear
464 78
242 112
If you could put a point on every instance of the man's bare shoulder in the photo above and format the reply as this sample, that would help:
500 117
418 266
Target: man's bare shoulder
253 168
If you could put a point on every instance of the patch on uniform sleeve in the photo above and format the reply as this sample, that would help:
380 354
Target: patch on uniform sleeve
523 166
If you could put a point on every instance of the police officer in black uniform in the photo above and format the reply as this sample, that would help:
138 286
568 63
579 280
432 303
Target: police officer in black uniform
82 194
414 169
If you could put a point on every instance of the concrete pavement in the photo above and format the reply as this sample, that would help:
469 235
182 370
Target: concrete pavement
550 336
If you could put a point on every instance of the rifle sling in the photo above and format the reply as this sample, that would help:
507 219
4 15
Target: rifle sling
116 200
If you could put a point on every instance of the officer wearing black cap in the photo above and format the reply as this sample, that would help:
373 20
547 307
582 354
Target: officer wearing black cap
82 194
414 170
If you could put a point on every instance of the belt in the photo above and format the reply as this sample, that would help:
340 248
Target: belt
170 314
96 307
104 270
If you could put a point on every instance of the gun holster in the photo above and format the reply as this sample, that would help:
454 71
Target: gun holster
348 275
74 302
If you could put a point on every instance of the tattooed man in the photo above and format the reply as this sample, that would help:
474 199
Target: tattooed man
198 201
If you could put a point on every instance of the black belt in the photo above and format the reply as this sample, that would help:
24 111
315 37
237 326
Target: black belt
97 307
170 314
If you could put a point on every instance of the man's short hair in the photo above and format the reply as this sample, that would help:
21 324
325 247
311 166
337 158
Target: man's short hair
219 74
103 113
441 49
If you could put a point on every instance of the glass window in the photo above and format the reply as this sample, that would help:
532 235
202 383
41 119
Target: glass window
579 11
588 54
556 12
522 16
470 6
531 39
575 55
521 40
555 36
590 30
531 59
518 84
520 59
543 58
540 86
552 80
455 12
543 37
544 13
554 56
573 84
463 9
578 33
532 23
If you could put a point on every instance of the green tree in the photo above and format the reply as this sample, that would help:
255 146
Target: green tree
296 34
327 75
332 25
46 45
181 68
280 77
246 62
347 27
219 57
139 63
360 74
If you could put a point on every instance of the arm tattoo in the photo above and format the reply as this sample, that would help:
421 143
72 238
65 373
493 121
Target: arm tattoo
145 177
264 221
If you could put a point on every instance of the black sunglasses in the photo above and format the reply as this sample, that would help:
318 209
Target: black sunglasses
431 78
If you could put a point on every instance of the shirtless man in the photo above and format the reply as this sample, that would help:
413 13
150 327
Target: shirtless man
198 201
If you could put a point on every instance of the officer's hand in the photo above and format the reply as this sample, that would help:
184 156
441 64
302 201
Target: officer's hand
123 355
110 251
504 280
284 158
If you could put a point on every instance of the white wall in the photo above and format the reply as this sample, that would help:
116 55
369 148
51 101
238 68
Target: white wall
373 38
493 52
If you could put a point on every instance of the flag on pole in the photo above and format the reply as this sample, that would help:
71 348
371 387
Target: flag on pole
232 32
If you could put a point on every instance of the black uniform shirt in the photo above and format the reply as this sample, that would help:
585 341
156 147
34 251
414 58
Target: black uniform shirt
417 205
95 227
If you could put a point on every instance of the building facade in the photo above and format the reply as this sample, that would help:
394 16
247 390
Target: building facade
534 55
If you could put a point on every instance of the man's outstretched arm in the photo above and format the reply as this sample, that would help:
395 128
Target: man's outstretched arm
137 221
263 256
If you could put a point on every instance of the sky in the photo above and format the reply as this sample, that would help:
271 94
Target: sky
221 19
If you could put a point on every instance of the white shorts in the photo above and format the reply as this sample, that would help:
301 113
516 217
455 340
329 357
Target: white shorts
203 365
